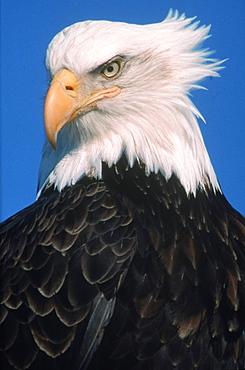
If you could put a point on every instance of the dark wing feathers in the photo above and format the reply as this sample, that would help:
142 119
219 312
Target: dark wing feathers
125 273
183 300
68 265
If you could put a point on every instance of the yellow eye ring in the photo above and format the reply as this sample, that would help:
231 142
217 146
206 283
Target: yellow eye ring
111 69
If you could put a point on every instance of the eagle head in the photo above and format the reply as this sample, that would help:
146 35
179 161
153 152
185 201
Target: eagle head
121 88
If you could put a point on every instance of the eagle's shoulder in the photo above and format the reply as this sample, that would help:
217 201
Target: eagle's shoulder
62 261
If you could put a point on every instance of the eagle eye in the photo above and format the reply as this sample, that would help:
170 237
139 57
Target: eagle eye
111 69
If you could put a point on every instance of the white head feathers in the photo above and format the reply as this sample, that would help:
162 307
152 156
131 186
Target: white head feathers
151 119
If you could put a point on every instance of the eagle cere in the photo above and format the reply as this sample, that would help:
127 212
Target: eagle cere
131 257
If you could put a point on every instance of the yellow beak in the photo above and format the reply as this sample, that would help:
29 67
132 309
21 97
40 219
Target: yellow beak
65 101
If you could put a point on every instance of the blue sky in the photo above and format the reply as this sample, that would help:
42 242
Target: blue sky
28 27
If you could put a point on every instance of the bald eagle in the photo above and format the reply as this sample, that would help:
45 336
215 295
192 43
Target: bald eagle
131 257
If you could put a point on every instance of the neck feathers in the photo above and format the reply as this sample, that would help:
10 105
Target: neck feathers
171 149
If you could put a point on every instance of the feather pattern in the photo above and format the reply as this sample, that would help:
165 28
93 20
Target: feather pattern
65 275
182 295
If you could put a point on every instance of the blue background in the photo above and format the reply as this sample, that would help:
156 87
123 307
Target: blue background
28 27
